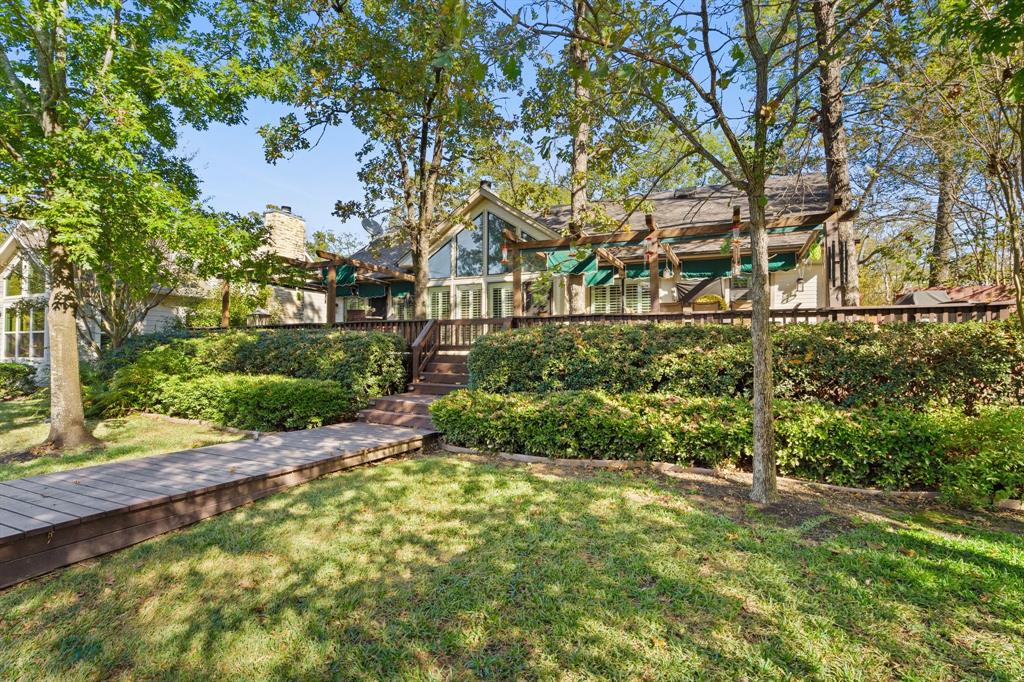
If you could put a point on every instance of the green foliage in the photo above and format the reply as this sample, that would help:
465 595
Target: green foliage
261 403
368 365
918 365
969 458
987 459
243 301
16 380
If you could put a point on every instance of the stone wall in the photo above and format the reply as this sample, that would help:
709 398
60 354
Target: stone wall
287 232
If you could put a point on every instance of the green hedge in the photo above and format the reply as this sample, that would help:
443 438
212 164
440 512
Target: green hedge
887 447
16 380
371 363
961 365
262 403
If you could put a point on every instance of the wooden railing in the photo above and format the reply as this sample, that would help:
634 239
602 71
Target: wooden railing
424 347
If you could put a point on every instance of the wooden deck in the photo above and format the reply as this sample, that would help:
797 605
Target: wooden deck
57 519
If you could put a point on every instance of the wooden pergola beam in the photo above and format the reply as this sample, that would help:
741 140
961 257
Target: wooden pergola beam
607 255
637 236
673 258
363 265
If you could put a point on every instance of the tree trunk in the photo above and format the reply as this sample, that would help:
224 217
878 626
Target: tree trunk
421 272
942 241
580 127
764 485
833 135
225 304
67 417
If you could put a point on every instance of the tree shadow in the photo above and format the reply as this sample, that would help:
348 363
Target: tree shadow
438 567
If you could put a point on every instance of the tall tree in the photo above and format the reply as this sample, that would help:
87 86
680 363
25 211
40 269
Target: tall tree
579 113
691 66
88 89
422 97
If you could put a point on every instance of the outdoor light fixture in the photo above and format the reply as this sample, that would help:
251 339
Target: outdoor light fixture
504 254
800 284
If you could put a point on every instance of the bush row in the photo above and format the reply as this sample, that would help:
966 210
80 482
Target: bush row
15 380
368 362
259 403
961 365
971 459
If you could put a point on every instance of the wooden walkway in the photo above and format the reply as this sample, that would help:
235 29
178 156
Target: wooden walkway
57 519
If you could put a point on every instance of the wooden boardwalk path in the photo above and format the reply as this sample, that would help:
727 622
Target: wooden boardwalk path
53 520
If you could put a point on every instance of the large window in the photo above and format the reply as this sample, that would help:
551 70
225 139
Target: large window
440 264
495 239
469 251
24 335
501 300
638 297
36 282
14 280
606 300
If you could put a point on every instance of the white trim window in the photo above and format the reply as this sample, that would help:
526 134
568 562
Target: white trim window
606 299
501 300
439 303
404 307
24 333
638 297
470 302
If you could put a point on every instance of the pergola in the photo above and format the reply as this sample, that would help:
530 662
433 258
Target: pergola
334 271
656 244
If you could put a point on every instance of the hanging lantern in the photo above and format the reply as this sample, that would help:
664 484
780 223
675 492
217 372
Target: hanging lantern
504 254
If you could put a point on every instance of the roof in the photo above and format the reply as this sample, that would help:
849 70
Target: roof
381 252
712 246
979 293
788 196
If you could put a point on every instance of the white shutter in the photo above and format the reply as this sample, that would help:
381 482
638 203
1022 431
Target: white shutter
606 300
501 301
638 297
470 303
440 303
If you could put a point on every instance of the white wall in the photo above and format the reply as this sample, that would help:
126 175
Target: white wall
786 292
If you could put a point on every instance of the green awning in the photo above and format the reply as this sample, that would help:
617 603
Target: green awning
599 277
722 267
643 270
402 288
571 261
346 274
371 291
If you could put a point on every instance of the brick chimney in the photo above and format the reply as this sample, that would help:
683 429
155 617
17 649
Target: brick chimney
287 232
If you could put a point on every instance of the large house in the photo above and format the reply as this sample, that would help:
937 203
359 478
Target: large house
471 274
23 290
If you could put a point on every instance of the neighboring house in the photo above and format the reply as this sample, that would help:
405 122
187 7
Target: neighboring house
470 276
976 293
23 291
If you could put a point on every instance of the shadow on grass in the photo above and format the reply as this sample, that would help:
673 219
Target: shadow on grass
436 567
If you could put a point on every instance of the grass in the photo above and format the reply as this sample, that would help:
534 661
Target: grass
443 568
22 426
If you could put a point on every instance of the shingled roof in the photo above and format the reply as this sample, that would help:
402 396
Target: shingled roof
788 196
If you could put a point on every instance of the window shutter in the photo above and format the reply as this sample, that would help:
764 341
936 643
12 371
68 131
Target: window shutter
501 301
440 304
606 300
638 297
470 303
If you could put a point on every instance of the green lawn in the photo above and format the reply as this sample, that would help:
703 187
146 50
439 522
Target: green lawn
22 426
443 568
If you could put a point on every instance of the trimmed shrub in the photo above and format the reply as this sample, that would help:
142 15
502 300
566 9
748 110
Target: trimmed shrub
16 380
261 403
848 364
370 363
886 447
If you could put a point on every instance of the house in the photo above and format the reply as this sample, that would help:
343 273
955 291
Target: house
978 293
23 290
471 274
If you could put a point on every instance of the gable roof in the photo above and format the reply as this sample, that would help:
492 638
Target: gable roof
23 238
788 196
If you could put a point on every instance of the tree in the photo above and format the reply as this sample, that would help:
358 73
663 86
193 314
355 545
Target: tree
509 163
89 90
690 66
422 97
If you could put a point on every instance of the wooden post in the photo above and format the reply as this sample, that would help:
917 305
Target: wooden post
517 279
332 294
654 272
225 303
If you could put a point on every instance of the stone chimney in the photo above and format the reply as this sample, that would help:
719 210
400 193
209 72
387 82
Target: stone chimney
287 232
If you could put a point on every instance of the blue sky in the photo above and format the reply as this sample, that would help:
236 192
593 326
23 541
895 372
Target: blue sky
229 160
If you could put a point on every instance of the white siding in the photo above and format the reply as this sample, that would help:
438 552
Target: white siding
787 293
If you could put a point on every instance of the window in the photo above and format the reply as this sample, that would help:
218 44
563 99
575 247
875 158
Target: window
439 303
470 303
532 261
469 250
14 281
501 300
24 333
606 300
36 282
440 264
638 297
404 307
495 239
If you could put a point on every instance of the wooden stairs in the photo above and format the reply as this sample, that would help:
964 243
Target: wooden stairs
443 373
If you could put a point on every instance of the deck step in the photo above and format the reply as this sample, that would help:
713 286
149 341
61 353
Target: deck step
405 405
458 379
416 421
437 366
427 387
